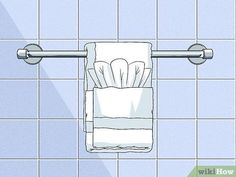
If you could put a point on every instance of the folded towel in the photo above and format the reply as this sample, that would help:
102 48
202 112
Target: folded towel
122 120
119 74
119 97
110 52
146 75
135 74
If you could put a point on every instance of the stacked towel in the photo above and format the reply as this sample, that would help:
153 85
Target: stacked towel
119 97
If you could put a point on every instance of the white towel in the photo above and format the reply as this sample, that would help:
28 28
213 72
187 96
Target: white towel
122 120
119 69
119 74
135 73
119 104
109 51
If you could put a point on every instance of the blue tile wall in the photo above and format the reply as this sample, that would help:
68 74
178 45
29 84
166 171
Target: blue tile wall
170 99
18 19
59 67
175 67
135 22
176 19
217 20
59 138
176 138
20 139
103 168
56 168
59 99
216 162
19 168
58 19
97 20
41 106
223 64
137 168
177 168
13 98
211 135
216 99
11 67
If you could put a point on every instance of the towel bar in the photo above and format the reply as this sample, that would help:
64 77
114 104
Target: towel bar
33 54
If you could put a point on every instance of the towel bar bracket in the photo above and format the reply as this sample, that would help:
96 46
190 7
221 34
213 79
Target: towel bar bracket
33 54
208 54
26 57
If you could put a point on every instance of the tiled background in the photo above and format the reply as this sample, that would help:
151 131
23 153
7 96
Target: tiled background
41 106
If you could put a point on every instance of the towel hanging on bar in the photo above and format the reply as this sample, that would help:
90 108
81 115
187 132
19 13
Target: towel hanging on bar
118 97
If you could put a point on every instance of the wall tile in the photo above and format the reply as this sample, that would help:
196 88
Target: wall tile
10 66
59 99
223 63
137 168
216 139
96 19
59 67
176 19
176 168
135 22
175 67
59 19
216 162
176 99
18 99
18 19
103 168
216 99
58 138
56 168
176 138
19 168
216 20
18 139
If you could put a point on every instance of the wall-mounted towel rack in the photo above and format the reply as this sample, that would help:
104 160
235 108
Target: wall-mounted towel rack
33 54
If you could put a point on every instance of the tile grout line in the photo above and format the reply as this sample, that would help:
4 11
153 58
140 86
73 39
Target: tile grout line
114 39
38 96
78 91
235 85
81 118
71 158
80 79
157 90
118 21
197 86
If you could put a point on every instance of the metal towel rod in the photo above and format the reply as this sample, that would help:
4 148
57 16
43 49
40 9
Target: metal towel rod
33 54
